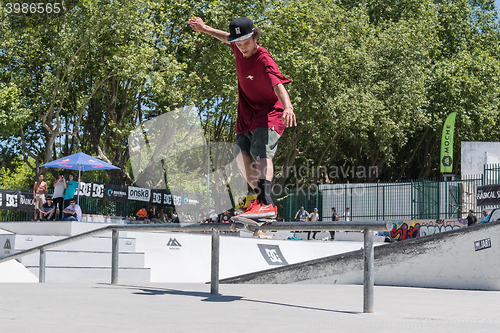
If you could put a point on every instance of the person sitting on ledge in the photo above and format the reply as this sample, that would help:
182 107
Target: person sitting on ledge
48 210
142 215
73 212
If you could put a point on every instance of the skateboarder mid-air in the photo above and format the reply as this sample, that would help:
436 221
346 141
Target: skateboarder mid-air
264 109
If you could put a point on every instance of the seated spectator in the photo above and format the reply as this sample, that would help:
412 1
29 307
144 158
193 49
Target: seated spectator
214 218
152 217
142 215
226 217
48 210
73 212
162 217
175 217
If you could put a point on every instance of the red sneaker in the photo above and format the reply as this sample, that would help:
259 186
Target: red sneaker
260 211
250 207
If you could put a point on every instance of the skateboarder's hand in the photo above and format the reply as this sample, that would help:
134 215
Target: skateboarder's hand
288 118
196 24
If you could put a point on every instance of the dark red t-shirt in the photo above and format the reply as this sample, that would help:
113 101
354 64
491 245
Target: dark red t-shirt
258 105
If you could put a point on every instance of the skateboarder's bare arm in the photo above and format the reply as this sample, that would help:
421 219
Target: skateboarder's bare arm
197 24
288 117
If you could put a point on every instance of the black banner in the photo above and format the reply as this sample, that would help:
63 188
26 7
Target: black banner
26 202
115 193
488 195
9 200
23 201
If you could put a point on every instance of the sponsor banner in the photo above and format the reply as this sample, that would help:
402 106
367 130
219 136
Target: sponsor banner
97 190
488 195
139 193
91 190
23 201
167 199
158 197
446 164
85 190
177 199
26 201
191 201
9 200
115 193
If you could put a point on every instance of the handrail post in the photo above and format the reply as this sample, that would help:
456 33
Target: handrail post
41 266
368 282
214 280
114 256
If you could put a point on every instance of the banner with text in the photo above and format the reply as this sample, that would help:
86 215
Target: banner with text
488 195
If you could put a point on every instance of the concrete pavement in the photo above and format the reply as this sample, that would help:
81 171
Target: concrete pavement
159 307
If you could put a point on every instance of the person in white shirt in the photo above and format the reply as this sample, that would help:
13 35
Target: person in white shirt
347 214
313 217
214 217
73 212
58 196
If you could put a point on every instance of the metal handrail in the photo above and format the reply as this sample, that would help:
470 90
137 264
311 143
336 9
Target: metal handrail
366 226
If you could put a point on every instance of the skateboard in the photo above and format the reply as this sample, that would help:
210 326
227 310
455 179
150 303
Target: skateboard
252 225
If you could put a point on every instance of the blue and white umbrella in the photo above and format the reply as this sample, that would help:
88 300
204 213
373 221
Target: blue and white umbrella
80 162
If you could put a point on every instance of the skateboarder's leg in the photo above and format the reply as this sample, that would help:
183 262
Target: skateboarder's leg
254 152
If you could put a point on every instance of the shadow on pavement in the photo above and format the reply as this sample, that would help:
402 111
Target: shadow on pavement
207 297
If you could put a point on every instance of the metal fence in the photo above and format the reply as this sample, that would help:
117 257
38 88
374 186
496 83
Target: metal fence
442 198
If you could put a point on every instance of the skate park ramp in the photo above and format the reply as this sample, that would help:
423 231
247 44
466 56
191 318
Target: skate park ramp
465 258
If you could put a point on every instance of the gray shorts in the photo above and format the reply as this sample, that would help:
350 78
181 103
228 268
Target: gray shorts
259 143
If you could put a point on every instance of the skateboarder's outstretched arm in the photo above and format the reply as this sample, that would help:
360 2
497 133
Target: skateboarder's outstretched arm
197 24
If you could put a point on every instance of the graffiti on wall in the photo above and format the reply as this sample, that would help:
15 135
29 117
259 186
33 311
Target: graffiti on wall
403 230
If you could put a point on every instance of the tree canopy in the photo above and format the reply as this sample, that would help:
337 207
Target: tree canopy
372 81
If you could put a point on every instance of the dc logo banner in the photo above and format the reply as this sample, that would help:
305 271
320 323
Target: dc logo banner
167 199
11 200
97 190
177 200
85 189
156 198
272 254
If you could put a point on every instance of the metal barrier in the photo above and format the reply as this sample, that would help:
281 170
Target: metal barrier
368 227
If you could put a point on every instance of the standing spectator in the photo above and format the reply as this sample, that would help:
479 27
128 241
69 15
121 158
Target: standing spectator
301 214
471 218
335 217
48 210
58 196
73 212
142 215
71 186
313 217
347 214
39 190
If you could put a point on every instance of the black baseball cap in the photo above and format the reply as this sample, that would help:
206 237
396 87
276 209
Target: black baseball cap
240 28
